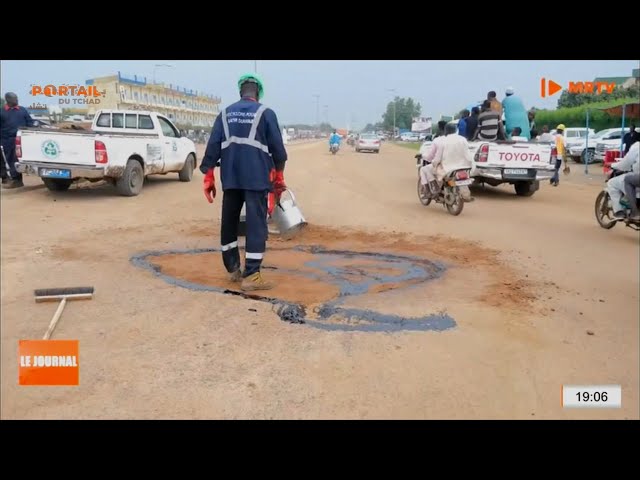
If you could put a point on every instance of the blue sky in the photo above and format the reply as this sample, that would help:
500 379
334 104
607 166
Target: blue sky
351 91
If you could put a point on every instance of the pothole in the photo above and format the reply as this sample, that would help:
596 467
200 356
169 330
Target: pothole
313 284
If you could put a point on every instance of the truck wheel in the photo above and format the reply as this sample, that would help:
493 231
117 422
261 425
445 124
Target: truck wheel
525 189
57 184
589 154
130 184
186 174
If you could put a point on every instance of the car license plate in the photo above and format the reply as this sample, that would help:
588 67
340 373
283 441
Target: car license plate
55 173
516 171
461 183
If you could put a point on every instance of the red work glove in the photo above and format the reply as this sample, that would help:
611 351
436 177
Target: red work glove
209 186
278 184
271 203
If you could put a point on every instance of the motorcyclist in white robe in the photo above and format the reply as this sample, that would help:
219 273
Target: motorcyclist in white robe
615 187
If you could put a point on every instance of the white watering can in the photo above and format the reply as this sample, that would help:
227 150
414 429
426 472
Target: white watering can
287 216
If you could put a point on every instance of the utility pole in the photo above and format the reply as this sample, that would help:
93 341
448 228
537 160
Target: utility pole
317 111
393 90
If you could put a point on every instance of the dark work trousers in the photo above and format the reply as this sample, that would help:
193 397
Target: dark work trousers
257 230
3 167
631 182
9 148
556 175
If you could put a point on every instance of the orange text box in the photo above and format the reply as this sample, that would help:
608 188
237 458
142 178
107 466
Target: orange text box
48 362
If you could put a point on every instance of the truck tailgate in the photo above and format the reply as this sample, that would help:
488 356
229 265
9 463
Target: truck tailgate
519 155
58 147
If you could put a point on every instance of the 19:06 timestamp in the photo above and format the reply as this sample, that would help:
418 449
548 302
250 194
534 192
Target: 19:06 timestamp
591 396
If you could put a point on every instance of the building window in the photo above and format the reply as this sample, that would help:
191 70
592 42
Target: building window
135 96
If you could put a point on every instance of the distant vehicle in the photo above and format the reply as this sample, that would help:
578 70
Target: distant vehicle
578 150
122 147
609 141
369 142
410 137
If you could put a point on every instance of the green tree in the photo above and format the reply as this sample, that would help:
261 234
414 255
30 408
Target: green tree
405 110
570 100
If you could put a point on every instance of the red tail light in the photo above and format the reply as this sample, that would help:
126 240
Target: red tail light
377 142
554 153
19 146
101 152
484 153
462 175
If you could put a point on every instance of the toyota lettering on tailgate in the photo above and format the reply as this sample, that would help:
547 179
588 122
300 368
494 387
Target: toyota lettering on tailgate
522 156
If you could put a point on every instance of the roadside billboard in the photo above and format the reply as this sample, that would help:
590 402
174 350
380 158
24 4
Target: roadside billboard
421 124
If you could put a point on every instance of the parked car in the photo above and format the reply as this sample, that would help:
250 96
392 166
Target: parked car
369 142
122 147
610 141
410 137
579 150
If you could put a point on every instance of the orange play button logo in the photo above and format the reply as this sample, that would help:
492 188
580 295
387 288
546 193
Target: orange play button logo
548 87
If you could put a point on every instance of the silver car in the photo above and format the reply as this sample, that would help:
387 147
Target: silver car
369 142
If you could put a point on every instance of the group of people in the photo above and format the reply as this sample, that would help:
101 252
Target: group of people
485 122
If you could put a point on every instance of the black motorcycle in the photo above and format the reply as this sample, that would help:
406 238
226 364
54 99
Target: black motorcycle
604 209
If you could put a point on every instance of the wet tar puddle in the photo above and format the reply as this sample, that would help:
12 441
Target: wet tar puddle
335 267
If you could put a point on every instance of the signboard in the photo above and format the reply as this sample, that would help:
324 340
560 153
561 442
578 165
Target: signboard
421 124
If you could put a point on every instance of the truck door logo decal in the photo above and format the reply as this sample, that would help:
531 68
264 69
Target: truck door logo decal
174 146
50 149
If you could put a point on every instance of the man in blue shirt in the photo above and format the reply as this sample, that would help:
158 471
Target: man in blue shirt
12 118
334 139
462 123
247 141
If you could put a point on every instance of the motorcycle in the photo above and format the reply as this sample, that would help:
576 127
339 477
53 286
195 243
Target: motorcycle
334 148
449 193
604 209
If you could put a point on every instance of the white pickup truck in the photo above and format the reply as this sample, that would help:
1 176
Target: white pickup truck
521 164
122 147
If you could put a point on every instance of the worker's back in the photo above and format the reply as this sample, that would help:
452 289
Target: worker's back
249 135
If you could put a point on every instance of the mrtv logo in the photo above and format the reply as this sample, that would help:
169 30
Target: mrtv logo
549 87
84 95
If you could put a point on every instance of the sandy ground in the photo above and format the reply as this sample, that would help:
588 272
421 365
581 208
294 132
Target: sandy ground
525 280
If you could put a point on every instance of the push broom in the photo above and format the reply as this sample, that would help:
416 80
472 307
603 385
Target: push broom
62 294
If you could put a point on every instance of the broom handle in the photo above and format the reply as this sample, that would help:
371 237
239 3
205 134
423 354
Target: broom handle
55 319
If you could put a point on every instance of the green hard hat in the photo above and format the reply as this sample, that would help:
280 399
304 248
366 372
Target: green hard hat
252 77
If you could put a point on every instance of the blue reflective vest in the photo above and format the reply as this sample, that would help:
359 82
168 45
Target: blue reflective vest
248 142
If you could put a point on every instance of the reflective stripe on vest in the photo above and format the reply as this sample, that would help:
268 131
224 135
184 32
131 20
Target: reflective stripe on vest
251 139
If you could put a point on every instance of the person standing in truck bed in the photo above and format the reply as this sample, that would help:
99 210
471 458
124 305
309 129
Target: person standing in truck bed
490 126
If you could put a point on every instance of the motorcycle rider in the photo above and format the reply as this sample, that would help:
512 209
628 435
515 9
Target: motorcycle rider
631 183
452 154
435 146
615 186
334 139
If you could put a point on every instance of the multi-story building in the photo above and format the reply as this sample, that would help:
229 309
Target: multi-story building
188 109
